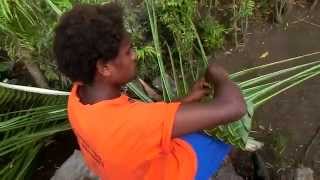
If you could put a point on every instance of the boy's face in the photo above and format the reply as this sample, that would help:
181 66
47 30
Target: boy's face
124 65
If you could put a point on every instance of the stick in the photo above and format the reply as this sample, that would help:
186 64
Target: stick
314 5
311 23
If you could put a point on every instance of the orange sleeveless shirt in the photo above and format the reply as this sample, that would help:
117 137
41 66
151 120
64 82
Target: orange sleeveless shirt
127 139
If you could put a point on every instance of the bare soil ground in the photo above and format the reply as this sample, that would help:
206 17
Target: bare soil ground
291 119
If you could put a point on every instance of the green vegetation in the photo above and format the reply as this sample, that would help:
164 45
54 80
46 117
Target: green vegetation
173 39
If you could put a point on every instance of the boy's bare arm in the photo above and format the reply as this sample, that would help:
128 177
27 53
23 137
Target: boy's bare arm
227 105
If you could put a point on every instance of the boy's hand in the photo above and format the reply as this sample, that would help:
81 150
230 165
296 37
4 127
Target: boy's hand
228 104
199 90
216 74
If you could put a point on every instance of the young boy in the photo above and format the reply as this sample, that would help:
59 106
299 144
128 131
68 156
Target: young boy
121 138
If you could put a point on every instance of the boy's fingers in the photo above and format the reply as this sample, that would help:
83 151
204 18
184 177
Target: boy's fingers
206 93
198 84
206 85
201 84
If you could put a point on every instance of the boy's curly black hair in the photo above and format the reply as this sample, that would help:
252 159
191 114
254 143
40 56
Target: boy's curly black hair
85 34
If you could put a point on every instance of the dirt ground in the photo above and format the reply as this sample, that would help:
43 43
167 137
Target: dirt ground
292 118
52 156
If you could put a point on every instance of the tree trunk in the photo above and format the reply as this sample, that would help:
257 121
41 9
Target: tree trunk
33 69
36 74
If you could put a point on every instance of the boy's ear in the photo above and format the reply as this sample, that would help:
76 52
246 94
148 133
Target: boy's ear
103 68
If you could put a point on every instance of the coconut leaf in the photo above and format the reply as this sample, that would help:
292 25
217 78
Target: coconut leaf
236 133
256 90
245 72
28 117
22 136
139 92
14 97
168 92
18 167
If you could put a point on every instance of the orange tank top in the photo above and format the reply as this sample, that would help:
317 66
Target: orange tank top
128 139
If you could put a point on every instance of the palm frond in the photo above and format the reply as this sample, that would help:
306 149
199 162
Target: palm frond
31 134
257 90
237 133
21 97
168 92
18 167
29 116
139 92
263 78
54 7
244 72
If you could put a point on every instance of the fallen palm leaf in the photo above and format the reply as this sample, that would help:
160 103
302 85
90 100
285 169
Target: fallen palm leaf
264 55
150 91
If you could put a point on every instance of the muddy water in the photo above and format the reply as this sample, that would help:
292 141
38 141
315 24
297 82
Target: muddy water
292 117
